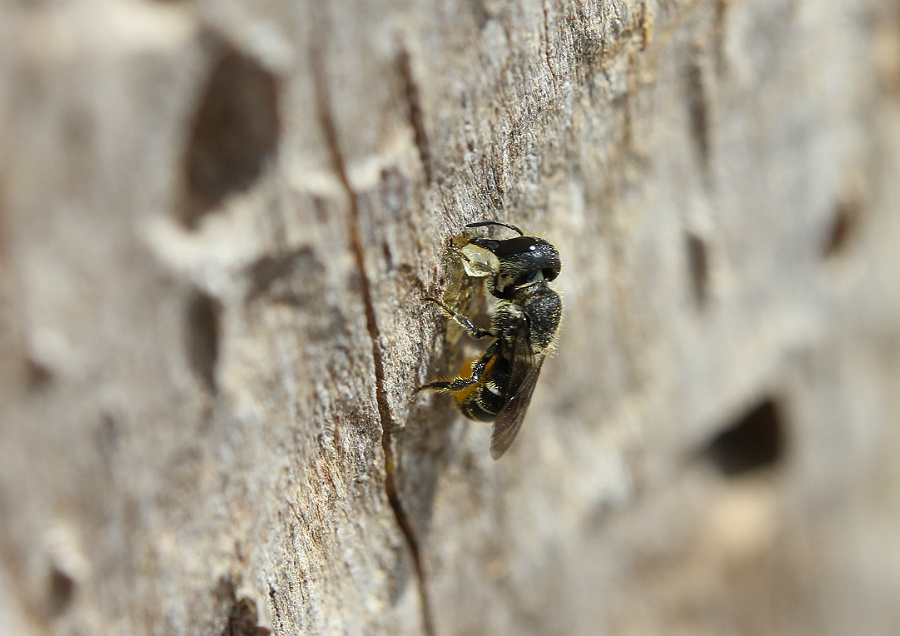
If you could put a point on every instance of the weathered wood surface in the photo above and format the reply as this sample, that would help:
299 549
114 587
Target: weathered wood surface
218 222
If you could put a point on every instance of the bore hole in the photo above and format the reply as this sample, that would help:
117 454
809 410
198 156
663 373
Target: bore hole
203 338
698 112
843 227
61 590
752 443
244 620
698 268
235 133
243 617
37 374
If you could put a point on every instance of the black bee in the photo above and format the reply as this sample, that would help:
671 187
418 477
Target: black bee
497 386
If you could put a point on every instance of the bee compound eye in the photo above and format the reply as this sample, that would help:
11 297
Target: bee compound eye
513 246
551 272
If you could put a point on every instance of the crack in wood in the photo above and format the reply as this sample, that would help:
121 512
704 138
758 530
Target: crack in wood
547 56
278 623
356 245
698 112
414 104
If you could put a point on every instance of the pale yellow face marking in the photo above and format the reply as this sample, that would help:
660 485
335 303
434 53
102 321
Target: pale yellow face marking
481 262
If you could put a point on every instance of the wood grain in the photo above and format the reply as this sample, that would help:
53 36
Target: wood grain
219 223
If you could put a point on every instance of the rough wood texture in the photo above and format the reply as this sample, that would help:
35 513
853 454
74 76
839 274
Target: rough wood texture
218 222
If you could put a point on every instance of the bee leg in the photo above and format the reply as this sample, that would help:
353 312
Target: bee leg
462 255
461 320
458 384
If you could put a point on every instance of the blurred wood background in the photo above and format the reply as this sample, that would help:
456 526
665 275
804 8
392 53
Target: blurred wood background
218 223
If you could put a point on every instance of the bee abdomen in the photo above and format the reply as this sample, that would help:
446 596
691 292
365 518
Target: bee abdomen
475 409
488 396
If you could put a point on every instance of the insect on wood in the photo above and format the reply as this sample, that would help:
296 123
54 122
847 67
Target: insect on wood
497 386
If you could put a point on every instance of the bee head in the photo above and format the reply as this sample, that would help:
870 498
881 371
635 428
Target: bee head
524 261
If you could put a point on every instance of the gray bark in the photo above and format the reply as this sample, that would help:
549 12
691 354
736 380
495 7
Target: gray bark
219 222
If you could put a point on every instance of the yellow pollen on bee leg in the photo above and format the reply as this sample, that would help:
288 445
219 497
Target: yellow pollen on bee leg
464 372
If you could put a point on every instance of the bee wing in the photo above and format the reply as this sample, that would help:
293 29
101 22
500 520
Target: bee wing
526 367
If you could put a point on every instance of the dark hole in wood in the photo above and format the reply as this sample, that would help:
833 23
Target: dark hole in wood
753 443
234 134
698 111
203 338
61 590
243 620
38 375
243 617
698 268
842 228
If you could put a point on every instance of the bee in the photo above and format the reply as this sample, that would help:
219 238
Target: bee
497 386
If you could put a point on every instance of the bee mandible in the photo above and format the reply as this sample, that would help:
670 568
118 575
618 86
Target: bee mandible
497 386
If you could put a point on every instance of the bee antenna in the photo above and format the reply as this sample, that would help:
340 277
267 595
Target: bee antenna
506 225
